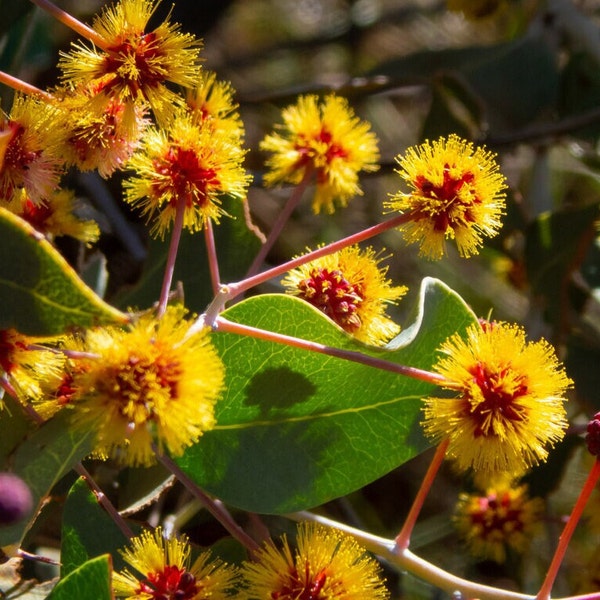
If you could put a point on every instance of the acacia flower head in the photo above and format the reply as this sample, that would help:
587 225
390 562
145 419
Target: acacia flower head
190 163
351 288
325 137
326 565
510 399
100 135
32 139
162 570
502 518
135 65
57 216
457 192
25 362
150 383
212 100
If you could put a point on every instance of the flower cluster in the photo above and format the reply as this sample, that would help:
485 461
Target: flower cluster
326 564
502 518
351 289
163 569
510 399
325 138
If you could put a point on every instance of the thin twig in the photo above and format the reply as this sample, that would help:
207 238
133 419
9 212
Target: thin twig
403 538
216 509
280 222
225 326
23 86
565 538
171 256
213 263
70 21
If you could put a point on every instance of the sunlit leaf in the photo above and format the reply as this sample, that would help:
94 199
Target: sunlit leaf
296 428
40 293
91 581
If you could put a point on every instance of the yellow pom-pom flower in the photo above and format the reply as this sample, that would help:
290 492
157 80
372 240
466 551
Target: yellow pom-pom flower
31 141
190 162
502 518
25 362
326 565
328 138
57 216
351 288
510 402
457 192
163 570
134 65
212 100
151 383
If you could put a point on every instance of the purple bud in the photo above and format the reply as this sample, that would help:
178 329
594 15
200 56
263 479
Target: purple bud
592 439
16 501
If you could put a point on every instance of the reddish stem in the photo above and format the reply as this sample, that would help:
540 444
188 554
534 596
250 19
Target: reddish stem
565 538
23 86
223 325
70 21
280 222
230 291
213 263
171 256
215 508
403 538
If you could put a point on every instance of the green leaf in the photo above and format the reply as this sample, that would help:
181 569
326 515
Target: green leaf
91 581
296 428
40 293
42 460
87 531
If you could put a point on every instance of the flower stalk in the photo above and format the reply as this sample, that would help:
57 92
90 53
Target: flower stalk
72 23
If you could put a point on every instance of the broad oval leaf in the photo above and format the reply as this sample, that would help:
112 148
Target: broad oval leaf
40 293
87 531
296 428
91 581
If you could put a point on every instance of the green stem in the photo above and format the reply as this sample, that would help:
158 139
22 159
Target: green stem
225 326
565 538
403 538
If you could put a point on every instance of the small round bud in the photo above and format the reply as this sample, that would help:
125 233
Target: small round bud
592 439
16 501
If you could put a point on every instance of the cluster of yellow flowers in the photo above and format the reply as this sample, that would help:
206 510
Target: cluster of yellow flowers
325 564
153 385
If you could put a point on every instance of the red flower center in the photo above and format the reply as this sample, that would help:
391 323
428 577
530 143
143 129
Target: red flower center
497 514
498 403
183 175
296 589
172 583
137 380
36 215
135 63
335 296
448 193
8 346
306 150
